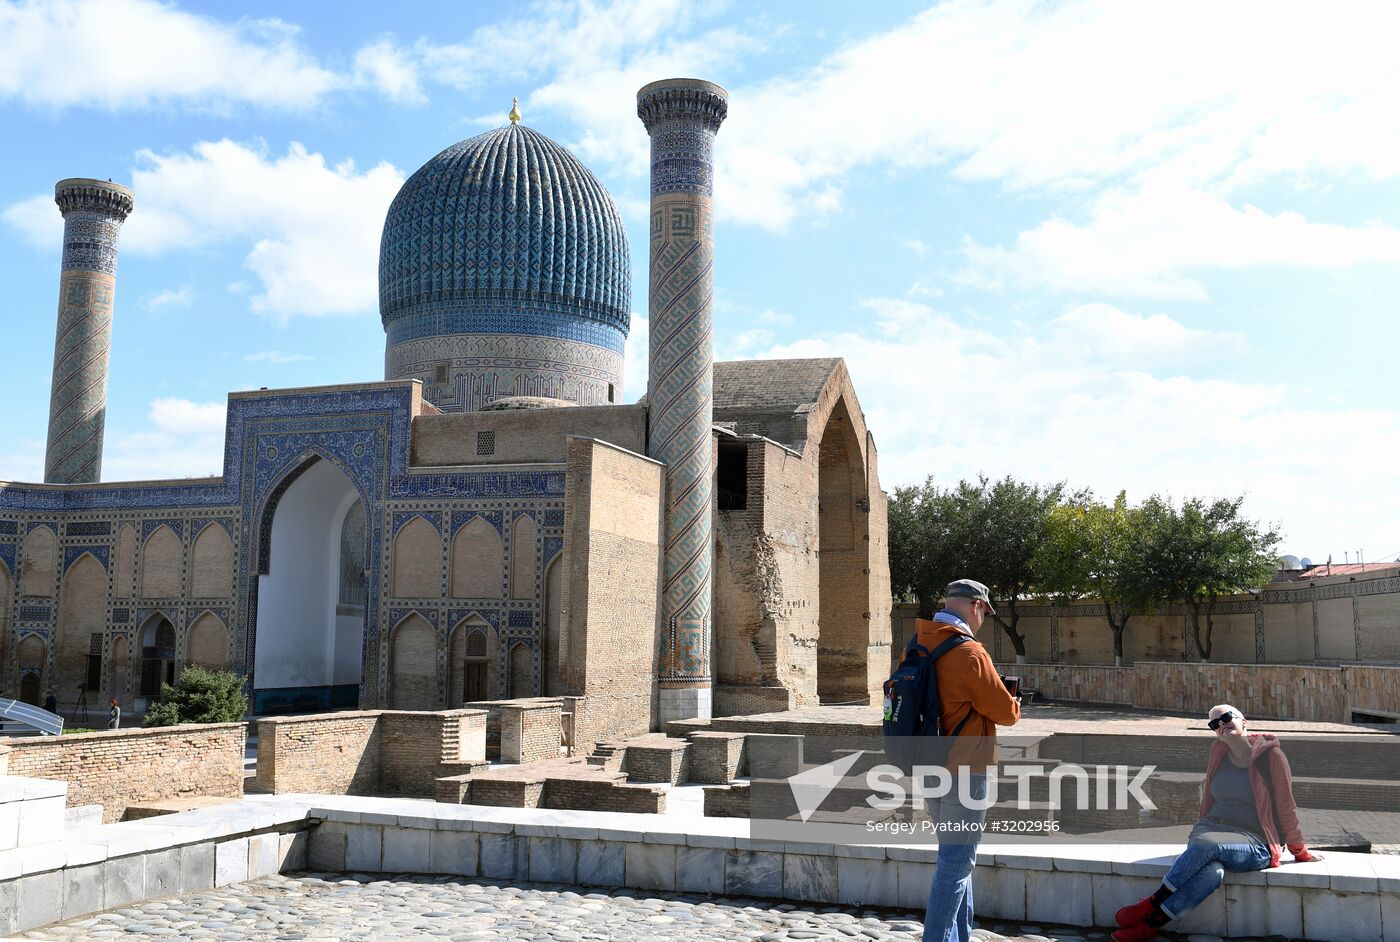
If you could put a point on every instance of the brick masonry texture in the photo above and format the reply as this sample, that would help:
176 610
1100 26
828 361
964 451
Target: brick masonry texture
368 752
1272 691
118 767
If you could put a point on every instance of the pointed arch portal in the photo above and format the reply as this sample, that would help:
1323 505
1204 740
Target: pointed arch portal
309 647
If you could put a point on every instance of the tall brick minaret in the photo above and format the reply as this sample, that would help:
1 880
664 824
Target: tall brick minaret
682 116
93 213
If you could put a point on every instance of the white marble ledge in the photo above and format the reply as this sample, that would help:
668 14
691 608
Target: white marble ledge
18 788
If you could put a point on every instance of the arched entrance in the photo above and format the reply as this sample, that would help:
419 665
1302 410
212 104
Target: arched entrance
311 593
843 617
157 656
471 665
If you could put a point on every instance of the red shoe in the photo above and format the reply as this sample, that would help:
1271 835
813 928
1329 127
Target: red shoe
1138 933
1136 914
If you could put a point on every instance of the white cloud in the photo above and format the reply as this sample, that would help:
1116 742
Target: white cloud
276 357
183 439
383 65
776 318
1155 241
1093 398
310 230
119 54
915 246
182 296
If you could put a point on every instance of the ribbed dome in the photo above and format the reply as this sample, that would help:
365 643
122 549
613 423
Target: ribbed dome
507 221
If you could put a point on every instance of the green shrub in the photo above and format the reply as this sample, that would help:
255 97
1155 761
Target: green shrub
200 696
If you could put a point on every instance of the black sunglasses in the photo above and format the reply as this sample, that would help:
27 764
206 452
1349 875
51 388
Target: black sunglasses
1221 720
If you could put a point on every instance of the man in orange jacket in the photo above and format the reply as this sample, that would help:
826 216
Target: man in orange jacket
973 695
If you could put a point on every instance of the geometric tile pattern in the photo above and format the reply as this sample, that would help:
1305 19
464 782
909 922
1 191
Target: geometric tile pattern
682 118
504 234
93 212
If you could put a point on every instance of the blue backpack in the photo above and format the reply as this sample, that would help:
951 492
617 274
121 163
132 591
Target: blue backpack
913 710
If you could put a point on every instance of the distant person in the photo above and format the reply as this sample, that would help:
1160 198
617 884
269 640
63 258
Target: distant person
51 703
974 703
114 715
1247 815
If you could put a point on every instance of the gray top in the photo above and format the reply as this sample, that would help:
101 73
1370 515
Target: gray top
1234 799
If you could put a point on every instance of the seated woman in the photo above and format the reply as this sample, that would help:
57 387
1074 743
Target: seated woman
1247 812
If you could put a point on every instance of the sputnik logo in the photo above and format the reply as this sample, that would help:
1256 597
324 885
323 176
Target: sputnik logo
810 788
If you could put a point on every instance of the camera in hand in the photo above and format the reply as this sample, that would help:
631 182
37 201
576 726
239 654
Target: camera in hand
1012 684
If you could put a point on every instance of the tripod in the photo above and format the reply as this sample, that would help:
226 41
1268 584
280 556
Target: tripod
81 704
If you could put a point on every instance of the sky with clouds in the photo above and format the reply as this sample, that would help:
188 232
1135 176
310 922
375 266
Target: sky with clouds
1130 246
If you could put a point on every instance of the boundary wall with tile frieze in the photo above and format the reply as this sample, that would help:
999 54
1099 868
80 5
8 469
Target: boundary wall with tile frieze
115 768
1266 691
353 753
1319 620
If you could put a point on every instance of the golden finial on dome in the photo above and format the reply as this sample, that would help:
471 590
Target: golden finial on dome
514 111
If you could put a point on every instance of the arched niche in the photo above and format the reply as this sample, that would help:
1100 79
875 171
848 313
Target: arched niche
40 560
206 643
160 565
413 665
472 660
211 564
553 628
81 623
417 561
521 680
477 560
844 588
32 656
159 642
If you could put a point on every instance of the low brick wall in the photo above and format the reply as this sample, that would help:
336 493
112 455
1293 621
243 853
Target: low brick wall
367 752
531 730
1077 682
326 754
601 795
1374 690
116 767
716 758
656 760
1263 691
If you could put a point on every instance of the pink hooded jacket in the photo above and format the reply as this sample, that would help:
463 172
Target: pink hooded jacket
1271 780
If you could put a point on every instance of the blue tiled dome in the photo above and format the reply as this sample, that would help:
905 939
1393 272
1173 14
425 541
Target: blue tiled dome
501 226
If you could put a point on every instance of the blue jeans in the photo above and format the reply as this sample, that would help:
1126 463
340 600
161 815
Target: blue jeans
1199 871
949 914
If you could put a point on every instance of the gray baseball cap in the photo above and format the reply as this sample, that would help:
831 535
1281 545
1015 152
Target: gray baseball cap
968 589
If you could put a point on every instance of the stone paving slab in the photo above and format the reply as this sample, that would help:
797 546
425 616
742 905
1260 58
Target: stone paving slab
329 907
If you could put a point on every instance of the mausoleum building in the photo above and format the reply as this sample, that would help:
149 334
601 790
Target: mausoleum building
489 521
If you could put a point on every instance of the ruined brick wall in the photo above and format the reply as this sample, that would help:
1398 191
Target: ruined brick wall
368 752
530 731
115 768
612 551
600 795
328 754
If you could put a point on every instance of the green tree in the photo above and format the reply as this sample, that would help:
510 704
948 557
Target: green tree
200 696
1201 551
983 530
1094 550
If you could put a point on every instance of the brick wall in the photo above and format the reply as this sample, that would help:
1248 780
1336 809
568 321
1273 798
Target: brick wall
656 760
370 752
530 730
608 639
1374 690
1077 682
115 768
716 758
601 795
1274 691
328 754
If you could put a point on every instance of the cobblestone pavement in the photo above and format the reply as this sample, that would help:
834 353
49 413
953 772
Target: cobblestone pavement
333 907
